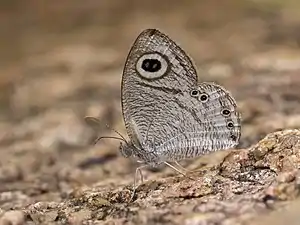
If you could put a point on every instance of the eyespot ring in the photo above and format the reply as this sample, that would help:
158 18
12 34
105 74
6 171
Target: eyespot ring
225 112
194 93
152 65
203 97
230 125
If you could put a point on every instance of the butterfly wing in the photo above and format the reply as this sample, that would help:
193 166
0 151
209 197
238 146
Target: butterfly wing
164 118
211 122
156 69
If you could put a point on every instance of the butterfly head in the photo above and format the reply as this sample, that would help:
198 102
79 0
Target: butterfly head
126 149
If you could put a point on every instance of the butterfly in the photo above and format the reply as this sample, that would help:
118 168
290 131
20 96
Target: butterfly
168 114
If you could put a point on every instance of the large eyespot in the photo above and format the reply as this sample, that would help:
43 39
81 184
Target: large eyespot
203 97
152 65
226 112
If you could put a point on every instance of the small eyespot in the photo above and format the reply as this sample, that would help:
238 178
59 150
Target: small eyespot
233 137
230 125
194 93
225 112
203 97
152 65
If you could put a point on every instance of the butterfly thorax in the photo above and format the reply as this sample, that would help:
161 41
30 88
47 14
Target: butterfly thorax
142 155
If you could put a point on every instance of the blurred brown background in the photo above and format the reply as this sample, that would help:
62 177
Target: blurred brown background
63 60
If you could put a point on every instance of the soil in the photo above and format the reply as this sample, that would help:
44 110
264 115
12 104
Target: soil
62 61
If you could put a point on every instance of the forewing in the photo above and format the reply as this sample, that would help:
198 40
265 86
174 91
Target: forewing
156 70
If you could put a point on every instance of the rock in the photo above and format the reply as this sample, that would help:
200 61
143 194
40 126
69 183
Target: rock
44 217
244 185
13 217
79 217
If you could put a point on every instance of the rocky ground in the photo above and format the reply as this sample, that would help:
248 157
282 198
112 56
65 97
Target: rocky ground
61 62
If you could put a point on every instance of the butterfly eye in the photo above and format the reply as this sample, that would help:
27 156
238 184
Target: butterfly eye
125 150
194 93
152 66
225 112
203 97
230 125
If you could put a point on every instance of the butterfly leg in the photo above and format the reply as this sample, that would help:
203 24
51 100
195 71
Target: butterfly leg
138 171
181 167
174 168
177 170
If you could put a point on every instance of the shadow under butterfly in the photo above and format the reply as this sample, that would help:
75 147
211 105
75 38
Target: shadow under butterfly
168 115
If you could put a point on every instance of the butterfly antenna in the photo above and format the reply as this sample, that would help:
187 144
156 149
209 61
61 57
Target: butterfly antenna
102 137
94 121
118 133
121 138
